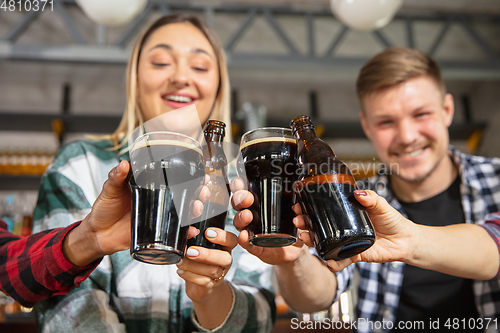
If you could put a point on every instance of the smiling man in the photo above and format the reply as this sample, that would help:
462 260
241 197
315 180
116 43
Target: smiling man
406 113
436 269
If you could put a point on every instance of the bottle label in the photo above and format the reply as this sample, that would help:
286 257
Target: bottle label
324 179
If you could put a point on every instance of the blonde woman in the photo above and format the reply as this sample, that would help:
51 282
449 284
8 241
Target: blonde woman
176 62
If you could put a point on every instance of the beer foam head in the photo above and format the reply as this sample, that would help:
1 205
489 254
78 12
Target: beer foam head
164 142
269 139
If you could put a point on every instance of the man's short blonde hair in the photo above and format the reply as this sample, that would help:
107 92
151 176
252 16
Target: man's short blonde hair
394 66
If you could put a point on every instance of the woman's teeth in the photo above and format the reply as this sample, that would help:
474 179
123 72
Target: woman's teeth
176 98
412 154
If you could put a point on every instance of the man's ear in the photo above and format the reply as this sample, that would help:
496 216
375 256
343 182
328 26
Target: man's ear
364 124
449 109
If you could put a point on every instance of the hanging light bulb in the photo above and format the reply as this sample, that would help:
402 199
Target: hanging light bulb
365 15
112 12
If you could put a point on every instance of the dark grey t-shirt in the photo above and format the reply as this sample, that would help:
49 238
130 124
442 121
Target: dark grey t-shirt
428 294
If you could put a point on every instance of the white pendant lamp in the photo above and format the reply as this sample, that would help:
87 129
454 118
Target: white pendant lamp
112 12
365 15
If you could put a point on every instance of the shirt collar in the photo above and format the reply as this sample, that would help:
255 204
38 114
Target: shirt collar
381 183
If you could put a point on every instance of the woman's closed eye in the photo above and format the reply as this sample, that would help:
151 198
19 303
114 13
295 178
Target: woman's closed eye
160 64
200 69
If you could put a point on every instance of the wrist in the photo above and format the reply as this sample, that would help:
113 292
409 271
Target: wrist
79 246
299 263
218 293
414 243
222 299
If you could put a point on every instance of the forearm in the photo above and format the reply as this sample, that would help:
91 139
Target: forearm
212 313
464 250
45 270
307 285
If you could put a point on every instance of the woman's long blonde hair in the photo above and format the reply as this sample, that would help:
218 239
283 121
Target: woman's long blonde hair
132 116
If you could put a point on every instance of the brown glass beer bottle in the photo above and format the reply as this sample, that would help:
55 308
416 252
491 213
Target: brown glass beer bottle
338 223
215 210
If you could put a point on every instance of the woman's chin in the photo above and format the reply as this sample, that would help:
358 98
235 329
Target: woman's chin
185 121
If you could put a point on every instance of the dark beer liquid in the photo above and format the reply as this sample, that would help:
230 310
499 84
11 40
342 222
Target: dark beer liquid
338 222
270 168
159 230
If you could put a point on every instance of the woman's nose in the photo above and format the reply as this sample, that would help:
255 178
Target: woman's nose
180 76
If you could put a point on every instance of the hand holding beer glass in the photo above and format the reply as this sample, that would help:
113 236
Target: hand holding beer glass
167 169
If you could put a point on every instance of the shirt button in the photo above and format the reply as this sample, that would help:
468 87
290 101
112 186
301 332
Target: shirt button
387 314
395 264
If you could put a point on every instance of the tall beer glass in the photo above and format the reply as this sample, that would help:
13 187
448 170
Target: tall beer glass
268 158
167 169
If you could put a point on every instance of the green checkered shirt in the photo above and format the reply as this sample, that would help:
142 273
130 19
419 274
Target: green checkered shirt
123 295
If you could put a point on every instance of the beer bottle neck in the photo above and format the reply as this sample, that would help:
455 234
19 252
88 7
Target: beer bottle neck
305 133
214 131
213 137
213 152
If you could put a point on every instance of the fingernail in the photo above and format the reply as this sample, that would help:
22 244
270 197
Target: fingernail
361 192
248 214
117 169
240 197
180 271
211 233
192 252
300 234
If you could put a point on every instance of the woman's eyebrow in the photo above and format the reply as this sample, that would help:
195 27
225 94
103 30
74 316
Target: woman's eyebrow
170 48
163 46
202 51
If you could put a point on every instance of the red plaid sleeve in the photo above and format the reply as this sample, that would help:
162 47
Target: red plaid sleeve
492 226
34 268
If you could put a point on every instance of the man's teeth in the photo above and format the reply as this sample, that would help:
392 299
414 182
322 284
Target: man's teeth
176 98
414 153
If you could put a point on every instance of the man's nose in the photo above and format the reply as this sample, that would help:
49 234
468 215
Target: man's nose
407 132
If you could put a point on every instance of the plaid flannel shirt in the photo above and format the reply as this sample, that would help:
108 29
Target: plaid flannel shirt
380 284
34 268
492 226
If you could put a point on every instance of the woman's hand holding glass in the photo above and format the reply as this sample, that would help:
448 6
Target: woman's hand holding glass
204 271
106 229
243 199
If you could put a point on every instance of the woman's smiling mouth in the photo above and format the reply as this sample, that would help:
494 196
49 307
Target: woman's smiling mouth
178 98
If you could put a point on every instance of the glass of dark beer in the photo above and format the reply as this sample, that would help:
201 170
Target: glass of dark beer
269 165
167 169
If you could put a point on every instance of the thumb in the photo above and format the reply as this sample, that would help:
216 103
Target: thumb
373 203
116 183
382 214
